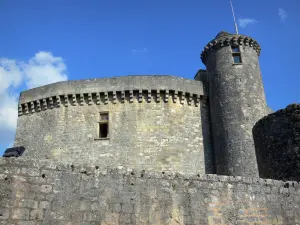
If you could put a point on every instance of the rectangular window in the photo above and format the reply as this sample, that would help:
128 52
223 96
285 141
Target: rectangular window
103 130
235 49
104 125
104 116
237 59
236 54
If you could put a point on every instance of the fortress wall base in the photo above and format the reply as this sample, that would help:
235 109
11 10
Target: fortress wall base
48 193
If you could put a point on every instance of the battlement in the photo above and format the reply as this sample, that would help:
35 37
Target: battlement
112 97
229 40
156 149
113 84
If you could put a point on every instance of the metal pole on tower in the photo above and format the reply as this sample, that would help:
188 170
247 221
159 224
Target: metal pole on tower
235 24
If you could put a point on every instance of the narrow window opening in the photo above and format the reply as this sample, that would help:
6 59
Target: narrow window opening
236 54
103 126
237 59
235 49
103 130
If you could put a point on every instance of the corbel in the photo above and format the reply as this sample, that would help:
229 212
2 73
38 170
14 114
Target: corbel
131 96
66 100
114 97
106 97
38 105
44 104
90 99
32 107
140 96
50 102
98 98
122 96
58 100
167 96
74 102
20 111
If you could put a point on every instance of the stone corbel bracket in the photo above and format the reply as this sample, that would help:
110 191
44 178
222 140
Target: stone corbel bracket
113 97
229 40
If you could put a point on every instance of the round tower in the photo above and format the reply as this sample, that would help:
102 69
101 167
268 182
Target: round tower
237 101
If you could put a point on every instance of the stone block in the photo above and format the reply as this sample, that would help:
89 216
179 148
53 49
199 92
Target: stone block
28 203
20 214
4 213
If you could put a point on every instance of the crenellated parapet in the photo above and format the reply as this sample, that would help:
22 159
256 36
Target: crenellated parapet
116 90
226 39
110 97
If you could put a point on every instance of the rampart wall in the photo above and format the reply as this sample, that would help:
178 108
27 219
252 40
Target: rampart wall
48 193
155 123
277 144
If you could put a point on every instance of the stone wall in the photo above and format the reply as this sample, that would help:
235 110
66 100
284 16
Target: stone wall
237 102
277 144
46 193
158 82
150 128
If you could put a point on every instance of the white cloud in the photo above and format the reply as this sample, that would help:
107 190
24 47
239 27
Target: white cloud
244 22
41 69
282 14
139 50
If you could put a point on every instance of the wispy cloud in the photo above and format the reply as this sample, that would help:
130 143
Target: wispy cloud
43 68
244 22
282 14
139 50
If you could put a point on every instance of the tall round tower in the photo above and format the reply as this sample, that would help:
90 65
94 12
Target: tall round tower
237 101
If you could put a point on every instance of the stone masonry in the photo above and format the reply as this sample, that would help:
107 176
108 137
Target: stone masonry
174 152
155 123
277 144
49 193
237 102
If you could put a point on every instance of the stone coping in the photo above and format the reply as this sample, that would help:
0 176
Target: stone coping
290 109
229 40
113 84
38 166
113 97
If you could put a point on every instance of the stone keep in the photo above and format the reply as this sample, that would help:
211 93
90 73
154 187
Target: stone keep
237 101
177 151
155 122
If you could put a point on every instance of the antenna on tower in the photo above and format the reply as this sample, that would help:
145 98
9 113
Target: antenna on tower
235 24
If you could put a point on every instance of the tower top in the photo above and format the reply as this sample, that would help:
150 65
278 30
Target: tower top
224 38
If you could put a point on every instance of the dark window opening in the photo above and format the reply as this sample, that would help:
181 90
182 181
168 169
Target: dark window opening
235 49
237 59
103 130
236 54
103 125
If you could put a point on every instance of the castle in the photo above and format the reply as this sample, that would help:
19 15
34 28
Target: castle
154 149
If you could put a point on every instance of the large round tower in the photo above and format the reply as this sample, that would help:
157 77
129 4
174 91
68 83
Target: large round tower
237 101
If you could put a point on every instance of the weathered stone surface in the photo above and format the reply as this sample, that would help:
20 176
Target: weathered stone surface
167 138
277 144
120 196
164 132
237 102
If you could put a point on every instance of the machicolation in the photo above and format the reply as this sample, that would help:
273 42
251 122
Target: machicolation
156 150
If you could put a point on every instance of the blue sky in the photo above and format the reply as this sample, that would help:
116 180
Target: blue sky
46 41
